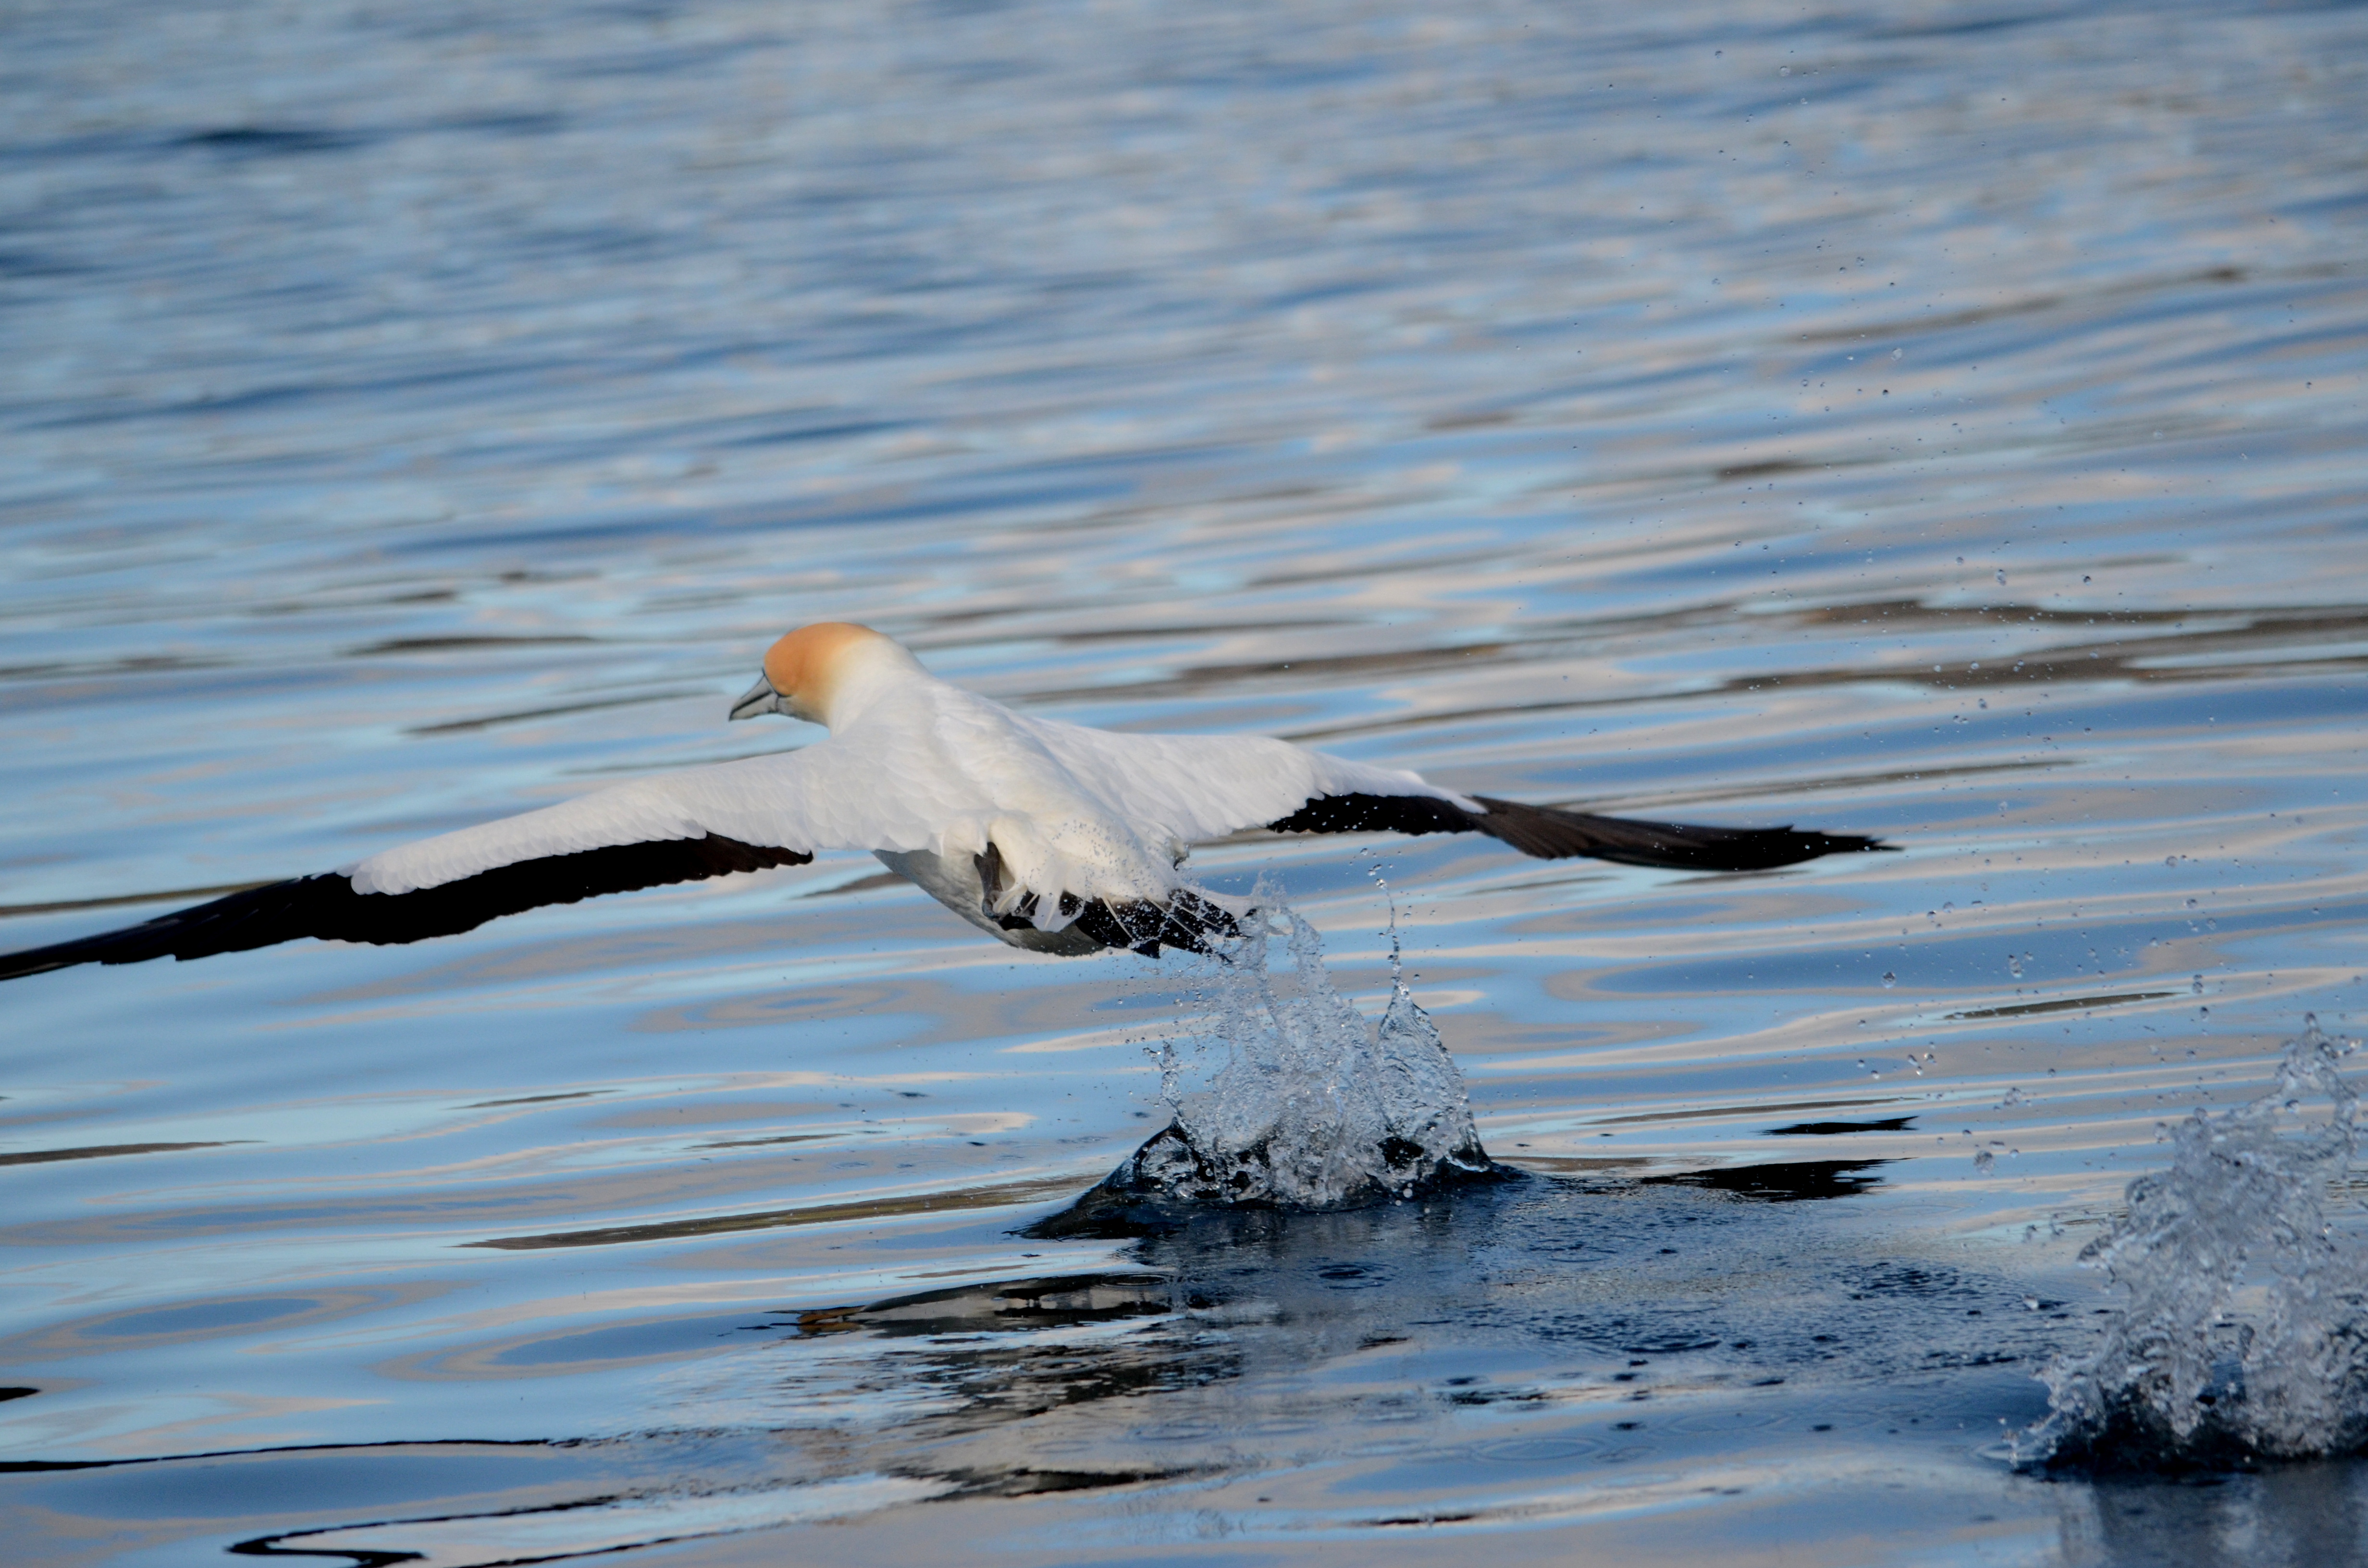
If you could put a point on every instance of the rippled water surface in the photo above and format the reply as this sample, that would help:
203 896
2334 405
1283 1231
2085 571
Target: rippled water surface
1942 421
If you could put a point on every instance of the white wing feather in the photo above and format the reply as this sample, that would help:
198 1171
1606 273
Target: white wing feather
1204 787
831 795
933 772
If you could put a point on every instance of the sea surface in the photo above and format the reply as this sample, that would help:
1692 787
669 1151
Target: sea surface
1942 420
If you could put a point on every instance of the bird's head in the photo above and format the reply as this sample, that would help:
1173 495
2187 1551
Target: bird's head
812 673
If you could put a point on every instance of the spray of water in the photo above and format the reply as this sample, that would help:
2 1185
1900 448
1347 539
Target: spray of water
2245 1330
1311 1105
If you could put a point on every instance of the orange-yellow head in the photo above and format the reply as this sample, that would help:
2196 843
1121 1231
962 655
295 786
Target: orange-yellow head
806 671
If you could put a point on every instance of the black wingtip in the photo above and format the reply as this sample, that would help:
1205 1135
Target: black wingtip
252 917
1551 833
1842 843
1856 843
328 907
32 961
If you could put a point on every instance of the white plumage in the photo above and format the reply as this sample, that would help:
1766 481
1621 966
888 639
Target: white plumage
928 776
1048 835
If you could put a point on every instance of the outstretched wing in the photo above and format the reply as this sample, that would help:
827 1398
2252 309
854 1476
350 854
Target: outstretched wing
328 906
1549 833
680 828
1204 787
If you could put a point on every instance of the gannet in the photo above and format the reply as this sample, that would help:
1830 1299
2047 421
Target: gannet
1048 835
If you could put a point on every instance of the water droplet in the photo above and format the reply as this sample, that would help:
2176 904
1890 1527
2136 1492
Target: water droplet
1983 1160
2240 1202
1783 70
2014 966
2013 1097
2002 576
1889 979
2198 986
1350 1084
2084 577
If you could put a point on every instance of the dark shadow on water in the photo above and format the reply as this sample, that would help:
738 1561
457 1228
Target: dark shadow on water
1005 1307
1808 1180
2137 1443
1132 1202
989 1197
1830 1129
273 140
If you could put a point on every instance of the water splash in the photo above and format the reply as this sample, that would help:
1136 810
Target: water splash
2246 1331
1312 1106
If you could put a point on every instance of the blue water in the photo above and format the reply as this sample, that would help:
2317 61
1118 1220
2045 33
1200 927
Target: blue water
1945 422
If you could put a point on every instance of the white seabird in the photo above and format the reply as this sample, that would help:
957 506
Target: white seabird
1047 835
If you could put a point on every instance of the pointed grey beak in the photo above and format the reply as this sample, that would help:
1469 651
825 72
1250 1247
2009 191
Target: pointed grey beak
758 699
